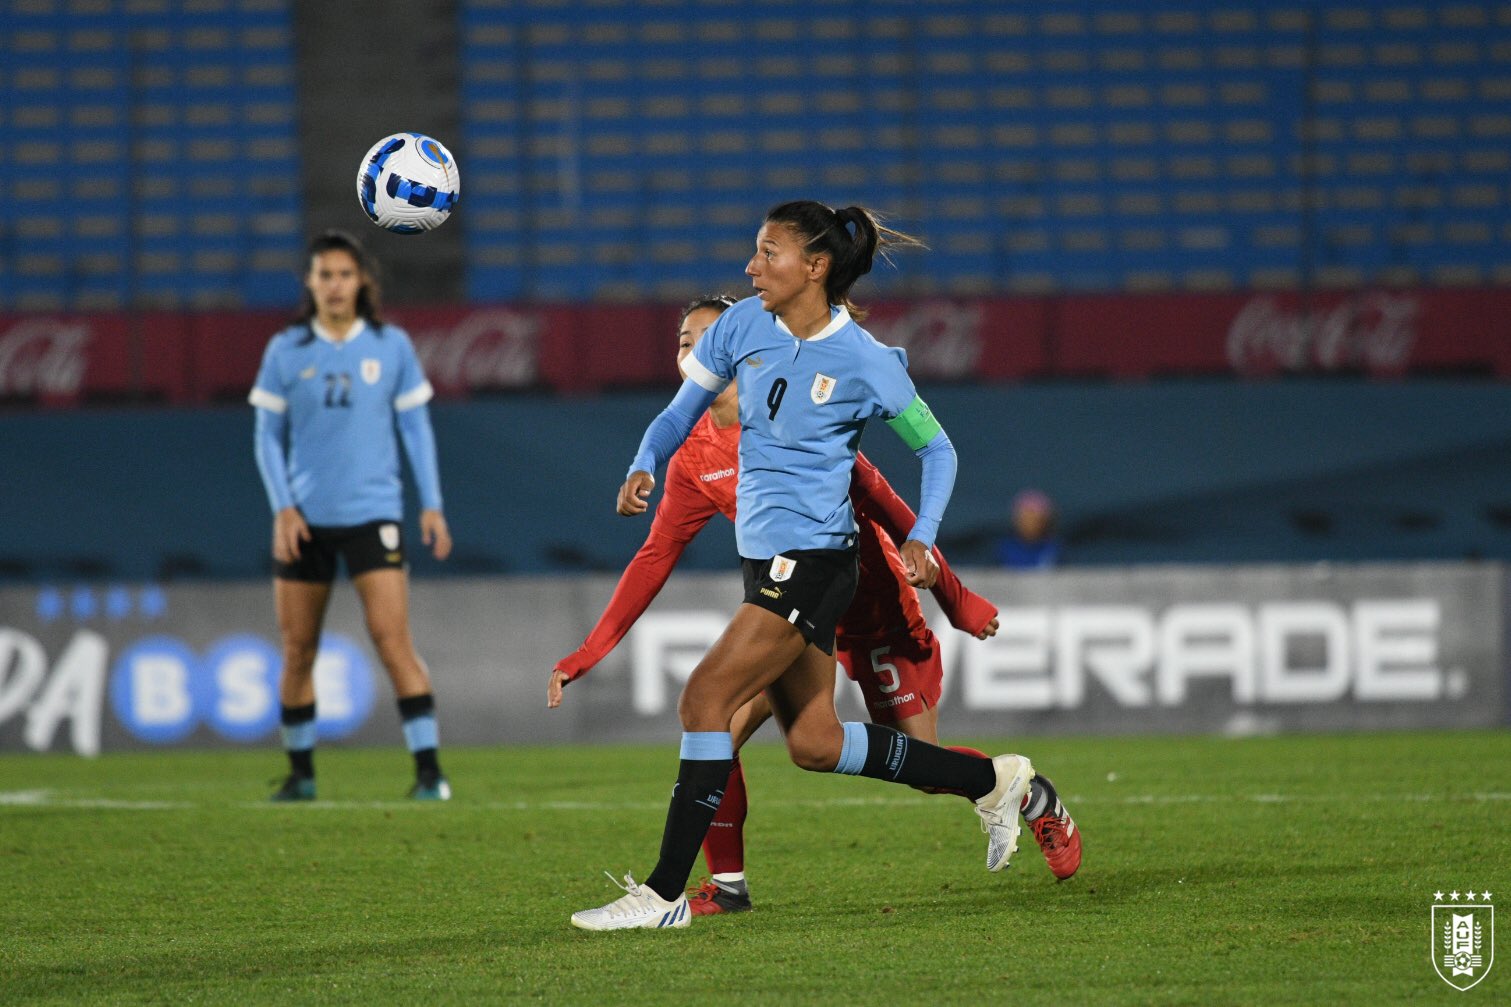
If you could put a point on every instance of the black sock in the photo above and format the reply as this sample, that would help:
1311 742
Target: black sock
1042 799
427 763
897 758
411 707
302 762
417 714
695 801
297 725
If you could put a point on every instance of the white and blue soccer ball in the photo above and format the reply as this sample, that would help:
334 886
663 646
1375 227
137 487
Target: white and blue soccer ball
408 183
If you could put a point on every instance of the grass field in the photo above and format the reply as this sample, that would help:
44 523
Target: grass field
1261 871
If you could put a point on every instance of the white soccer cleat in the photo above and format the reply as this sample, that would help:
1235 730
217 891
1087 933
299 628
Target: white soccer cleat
999 809
638 907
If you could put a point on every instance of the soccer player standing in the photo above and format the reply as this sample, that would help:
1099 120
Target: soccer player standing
882 641
809 379
331 393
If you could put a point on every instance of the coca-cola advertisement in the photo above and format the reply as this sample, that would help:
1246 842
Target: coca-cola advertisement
66 360
944 340
491 348
1372 333
43 358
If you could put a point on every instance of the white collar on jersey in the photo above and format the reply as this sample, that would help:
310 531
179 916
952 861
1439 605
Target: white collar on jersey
839 321
325 333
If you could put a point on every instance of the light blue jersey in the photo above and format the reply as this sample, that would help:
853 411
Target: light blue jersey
803 406
338 402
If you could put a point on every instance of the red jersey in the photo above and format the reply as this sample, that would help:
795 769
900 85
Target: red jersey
700 482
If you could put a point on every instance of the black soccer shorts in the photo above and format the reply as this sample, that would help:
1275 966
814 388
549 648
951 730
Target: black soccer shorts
810 588
376 545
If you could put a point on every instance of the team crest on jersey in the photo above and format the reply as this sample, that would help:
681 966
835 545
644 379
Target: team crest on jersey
307 373
372 369
1463 937
782 567
822 390
389 535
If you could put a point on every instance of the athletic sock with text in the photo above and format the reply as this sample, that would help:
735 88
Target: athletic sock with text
707 757
724 846
886 754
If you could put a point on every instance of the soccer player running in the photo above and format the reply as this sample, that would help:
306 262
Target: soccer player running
882 641
809 379
330 393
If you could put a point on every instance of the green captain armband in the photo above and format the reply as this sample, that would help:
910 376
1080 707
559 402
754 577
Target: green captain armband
916 424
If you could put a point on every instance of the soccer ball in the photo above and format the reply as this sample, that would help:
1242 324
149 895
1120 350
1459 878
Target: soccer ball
408 183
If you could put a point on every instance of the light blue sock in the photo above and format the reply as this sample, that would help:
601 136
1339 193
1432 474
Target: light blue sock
298 737
852 756
422 732
707 745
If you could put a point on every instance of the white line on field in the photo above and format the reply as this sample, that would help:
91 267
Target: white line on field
48 799
54 799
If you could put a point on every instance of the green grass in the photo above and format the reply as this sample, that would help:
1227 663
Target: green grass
1261 871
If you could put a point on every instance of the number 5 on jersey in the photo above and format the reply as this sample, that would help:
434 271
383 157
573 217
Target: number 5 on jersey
885 671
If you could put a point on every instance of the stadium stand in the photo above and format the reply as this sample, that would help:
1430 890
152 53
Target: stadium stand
625 155
152 155
621 152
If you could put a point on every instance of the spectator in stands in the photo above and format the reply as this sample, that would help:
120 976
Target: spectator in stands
1033 544
337 392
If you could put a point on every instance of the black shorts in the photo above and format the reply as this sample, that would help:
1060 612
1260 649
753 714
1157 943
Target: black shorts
810 588
376 545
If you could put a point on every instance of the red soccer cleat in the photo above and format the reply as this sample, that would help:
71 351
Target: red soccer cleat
711 899
1057 836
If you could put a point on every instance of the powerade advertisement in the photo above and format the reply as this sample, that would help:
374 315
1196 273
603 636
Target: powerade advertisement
1234 650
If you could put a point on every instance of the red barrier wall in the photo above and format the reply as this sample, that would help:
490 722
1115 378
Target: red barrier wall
194 358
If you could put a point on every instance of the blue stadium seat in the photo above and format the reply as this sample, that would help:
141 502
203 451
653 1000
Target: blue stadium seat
158 149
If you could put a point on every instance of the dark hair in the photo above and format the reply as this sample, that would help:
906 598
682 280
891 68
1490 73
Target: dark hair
851 237
718 302
369 298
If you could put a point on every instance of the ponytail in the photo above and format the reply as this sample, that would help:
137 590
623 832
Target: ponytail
852 237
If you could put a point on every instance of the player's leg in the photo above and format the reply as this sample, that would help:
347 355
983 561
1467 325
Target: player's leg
902 679
818 742
1052 827
924 727
726 890
300 609
385 603
752 650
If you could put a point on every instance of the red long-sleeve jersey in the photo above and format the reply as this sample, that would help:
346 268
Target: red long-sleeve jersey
700 482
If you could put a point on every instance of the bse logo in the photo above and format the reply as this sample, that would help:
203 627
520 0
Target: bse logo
1463 937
